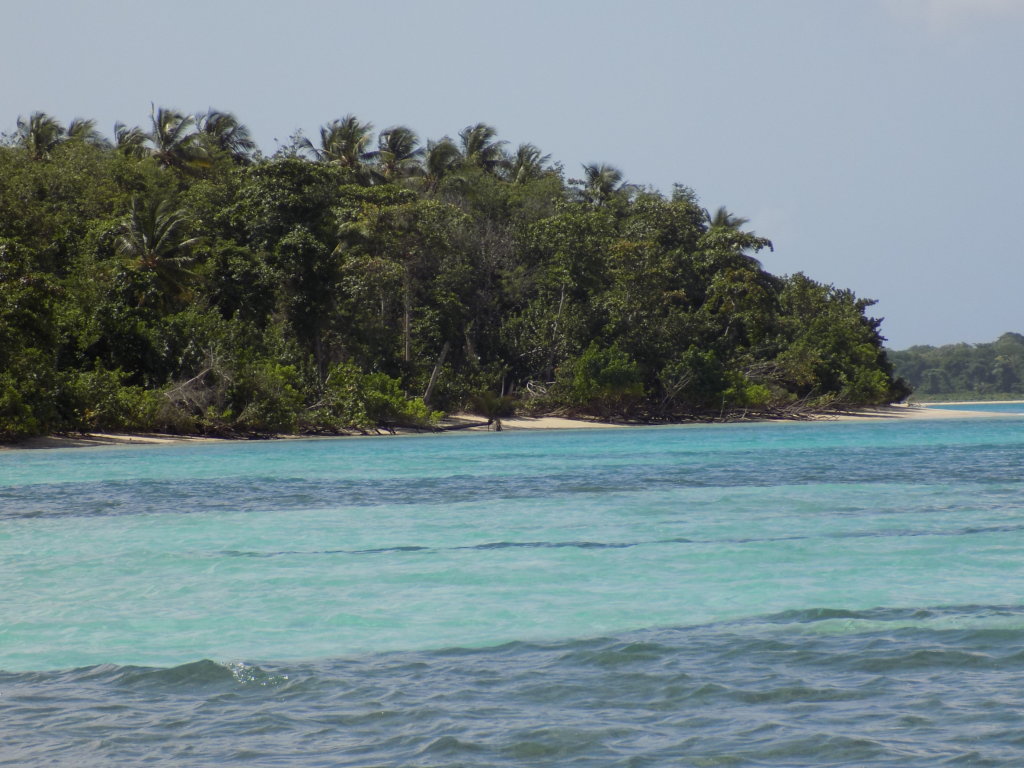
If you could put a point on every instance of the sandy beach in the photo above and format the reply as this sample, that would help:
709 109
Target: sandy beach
887 412
914 412
470 422
98 439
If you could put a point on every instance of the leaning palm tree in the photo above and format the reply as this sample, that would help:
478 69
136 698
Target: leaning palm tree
130 141
39 134
85 131
440 161
494 407
527 164
174 141
480 148
601 182
154 241
397 154
226 133
342 142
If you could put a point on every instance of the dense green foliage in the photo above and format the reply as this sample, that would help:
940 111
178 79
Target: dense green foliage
965 371
174 279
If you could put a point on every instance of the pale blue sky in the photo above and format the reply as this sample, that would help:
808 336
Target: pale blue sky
879 143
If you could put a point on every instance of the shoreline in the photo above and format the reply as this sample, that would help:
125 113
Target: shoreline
970 402
920 411
472 423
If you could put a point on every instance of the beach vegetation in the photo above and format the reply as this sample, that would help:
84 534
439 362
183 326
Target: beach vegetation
176 279
604 381
493 407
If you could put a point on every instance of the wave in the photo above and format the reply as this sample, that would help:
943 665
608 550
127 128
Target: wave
764 690
968 623
497 545
193 675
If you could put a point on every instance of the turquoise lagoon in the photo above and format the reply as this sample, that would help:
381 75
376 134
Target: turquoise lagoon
995 407
767 594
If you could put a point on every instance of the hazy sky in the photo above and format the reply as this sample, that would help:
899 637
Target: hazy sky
878 143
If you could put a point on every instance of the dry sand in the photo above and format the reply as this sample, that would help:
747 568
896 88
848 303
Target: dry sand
887 412
540 422
104 438
913 412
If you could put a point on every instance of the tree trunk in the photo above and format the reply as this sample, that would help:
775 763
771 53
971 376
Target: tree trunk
436 372
554 337
407 307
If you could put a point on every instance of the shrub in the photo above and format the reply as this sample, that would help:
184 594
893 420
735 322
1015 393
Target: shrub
368 400
386 405
17 419
99 400
605 381
494 407
268 398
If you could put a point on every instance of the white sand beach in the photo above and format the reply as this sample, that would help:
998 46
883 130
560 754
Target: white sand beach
96 439
904 411
471 422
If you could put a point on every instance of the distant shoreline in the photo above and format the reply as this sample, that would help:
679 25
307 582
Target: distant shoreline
973 402
465 422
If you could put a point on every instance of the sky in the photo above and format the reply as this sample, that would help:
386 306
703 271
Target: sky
878 143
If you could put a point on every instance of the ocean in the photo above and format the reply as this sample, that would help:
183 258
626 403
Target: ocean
774 594
998 407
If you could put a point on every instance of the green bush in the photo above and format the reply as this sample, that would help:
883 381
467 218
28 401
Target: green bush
866 387
368 400
17 418
694 381
744 393
604 381
343 405
99 400
268 398
386 405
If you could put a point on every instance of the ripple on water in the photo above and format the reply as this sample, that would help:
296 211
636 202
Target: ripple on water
738 692
752 556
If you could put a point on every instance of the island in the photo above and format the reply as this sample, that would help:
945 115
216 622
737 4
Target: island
173 279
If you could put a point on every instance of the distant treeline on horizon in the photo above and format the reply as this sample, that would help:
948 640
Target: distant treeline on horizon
172 278
984 371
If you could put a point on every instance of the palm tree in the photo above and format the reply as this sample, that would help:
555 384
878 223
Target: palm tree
494 407
397 154
39 134
226 133
725 234
174 141
441 159
85 131
130 141
480 148
153 241
601 183
724 219
527 164
342 142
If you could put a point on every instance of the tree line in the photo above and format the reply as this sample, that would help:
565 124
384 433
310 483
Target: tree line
173 278
965 371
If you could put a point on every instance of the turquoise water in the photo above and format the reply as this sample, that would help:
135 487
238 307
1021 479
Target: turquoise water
771 594
995 407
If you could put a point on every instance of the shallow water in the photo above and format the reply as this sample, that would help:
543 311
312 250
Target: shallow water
772 594
1014 407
